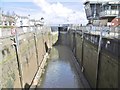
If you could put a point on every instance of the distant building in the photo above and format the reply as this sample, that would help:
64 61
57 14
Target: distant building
39 22
32 22
92 9
7 20
116 21
109 10
101 11
22 21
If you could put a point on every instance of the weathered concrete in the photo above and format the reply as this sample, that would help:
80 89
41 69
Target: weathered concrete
30 56
90 62
31 51
87 52
78 47
109 76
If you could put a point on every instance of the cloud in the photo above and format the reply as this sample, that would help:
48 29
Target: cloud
58 13
21 8
56 9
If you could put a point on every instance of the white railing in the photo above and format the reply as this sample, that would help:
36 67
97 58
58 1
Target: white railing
6 32
109 32
109 13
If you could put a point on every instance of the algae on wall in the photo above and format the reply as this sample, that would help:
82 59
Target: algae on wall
108 72
9 74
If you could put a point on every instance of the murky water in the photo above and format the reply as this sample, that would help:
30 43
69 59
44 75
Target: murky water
60 72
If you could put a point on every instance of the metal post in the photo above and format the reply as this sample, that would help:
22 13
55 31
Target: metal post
18 62
36 46
82 49
44 42
15 40
74 43
98 58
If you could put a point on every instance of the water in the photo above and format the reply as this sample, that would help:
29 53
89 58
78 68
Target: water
60 72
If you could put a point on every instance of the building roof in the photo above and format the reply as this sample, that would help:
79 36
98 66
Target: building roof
8 16
112 2
93 2
33 20
101 1
24 17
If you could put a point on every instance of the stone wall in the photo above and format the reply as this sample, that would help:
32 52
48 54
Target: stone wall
31 50
85 50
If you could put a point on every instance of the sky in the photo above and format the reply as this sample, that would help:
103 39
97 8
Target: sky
53 11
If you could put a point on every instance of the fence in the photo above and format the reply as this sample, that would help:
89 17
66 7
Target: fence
100 67
109 32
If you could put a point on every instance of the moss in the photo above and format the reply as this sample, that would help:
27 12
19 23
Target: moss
6 26
9 84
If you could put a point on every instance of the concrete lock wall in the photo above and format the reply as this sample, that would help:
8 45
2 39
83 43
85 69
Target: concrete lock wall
78 48
29 53
90 62
108 74
86 52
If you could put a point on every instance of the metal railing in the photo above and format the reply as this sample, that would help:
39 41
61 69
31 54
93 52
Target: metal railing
7 32
109 13
108 32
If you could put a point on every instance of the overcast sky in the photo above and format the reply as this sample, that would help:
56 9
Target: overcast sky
54 11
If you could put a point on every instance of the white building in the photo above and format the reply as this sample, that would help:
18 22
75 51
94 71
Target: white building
101 10
22 21
32 22
7 20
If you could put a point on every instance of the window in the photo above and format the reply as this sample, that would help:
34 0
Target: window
106 7
114 7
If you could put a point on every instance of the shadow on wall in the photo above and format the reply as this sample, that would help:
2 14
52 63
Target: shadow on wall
27 86
59 36
86 50
46 47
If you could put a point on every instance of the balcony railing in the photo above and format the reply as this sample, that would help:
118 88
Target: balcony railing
109 13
